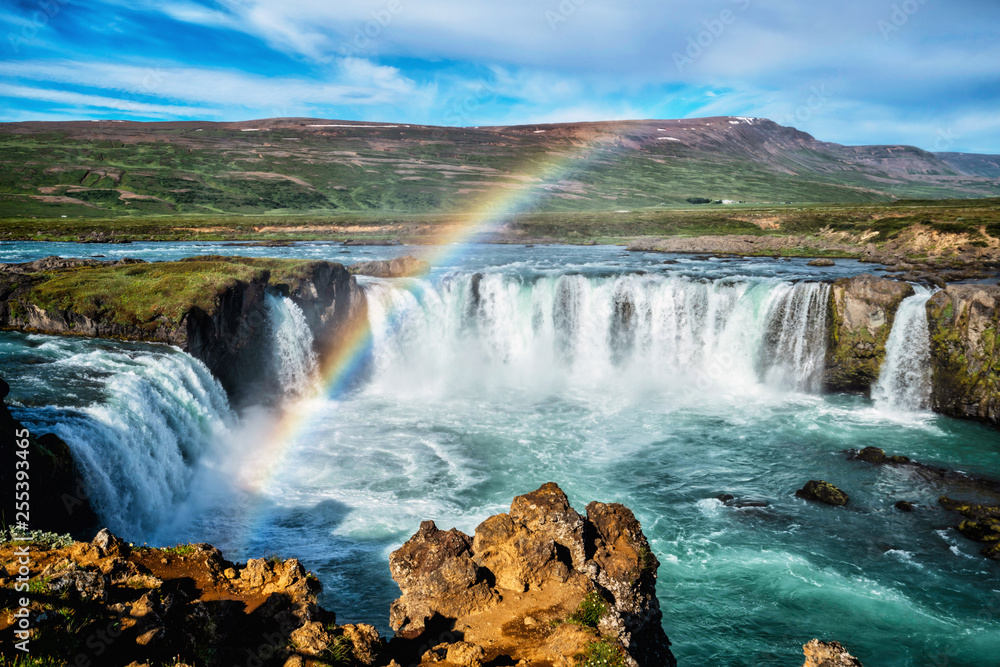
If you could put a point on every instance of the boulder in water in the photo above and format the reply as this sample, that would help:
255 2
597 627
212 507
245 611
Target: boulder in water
828 654
981 524
904 506
823 492
822 261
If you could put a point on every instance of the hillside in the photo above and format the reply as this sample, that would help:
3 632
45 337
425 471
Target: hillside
115 168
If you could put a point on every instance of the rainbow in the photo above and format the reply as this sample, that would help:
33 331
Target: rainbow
345 360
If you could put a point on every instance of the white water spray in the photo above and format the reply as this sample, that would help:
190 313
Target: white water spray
904 382
136 447
506 331
292 346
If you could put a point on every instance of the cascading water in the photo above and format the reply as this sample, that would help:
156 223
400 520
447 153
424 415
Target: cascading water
523 332
292 346
142 418
657 390
904 382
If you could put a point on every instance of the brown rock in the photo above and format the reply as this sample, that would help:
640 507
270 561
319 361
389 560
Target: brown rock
539 561
464 654
366 642
437 576
828 654
311 639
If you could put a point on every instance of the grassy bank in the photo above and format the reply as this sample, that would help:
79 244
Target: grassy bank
857 223
146 294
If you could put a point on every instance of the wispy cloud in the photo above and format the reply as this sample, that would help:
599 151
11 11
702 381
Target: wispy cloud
418 61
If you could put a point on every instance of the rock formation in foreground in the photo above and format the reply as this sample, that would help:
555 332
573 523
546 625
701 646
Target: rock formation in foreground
111 604
541 584
862 310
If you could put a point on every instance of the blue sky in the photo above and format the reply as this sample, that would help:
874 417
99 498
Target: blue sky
921 72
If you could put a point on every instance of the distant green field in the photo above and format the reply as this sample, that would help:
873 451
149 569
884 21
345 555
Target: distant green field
885 221
152 171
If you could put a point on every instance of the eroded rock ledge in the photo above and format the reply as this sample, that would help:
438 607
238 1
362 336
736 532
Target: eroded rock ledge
540 584
212 307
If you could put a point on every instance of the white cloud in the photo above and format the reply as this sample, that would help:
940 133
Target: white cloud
360 83
98 101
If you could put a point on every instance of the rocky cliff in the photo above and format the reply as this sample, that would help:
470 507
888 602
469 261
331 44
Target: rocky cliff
860 317
212 307
541 584
964 323
109 603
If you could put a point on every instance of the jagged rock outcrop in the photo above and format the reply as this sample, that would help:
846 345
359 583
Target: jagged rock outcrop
861 313
823 492
828 654
110 603
541 583
58 498
401 267
981 524
227 331
964 323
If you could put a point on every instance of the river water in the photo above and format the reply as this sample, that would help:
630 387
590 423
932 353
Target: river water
621 377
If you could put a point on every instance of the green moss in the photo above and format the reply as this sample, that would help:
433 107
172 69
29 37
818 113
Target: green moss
590 612
179 550
602 653
140 294
156 294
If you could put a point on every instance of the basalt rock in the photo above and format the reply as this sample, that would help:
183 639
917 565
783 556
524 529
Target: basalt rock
877 456
400 267
861 313
828 654
823 492
964 323
108 603
981 524
228 332
509 588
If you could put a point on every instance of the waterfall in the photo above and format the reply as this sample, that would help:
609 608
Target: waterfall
495 329
156 413
292 346
904 382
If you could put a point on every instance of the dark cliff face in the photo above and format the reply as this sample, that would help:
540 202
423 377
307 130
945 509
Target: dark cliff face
58 499
230 341
862 310
230 333
332 302
964 323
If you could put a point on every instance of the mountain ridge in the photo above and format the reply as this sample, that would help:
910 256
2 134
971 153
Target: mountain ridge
316 164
